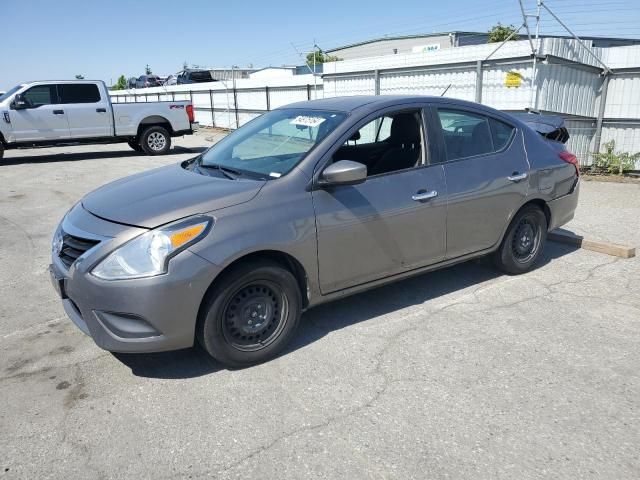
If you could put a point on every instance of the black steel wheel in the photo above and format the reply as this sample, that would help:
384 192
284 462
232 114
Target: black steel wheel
255 316
250 314
524 241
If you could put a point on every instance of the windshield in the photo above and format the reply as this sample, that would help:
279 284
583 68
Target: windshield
10 92
274 143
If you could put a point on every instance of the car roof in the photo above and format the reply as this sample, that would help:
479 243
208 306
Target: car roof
374 102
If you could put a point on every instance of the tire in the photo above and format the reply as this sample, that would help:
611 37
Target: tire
1 150
135 145
524 241
155 140
250 315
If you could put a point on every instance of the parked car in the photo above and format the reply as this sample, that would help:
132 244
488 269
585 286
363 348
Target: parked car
286 213
194 76
131 83
68 112
146 81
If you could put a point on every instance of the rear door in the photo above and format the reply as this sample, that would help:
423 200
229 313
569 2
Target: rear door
486 171
88 113
43 120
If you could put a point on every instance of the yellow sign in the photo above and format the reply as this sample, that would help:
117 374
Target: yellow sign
513 79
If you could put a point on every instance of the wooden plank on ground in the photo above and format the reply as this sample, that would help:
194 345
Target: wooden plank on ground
562 236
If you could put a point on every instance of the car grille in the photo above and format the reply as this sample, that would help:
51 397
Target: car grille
73 247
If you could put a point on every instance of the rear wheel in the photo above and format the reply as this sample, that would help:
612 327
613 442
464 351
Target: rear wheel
155 140
524 241
135 145
251 314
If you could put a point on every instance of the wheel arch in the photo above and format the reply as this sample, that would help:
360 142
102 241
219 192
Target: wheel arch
539 202
283 259
152 121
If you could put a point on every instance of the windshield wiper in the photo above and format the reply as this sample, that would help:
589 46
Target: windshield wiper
230 173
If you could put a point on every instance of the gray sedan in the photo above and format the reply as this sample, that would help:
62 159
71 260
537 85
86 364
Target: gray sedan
303 205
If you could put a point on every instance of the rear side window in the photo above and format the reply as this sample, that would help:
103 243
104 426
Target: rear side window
465 134
79 93
501 133
41 95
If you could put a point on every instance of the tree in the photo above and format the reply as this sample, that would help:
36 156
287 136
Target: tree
147 70
121 84
320 57
615 162
499 33
79 77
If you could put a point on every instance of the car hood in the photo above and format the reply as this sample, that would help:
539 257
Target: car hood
156 197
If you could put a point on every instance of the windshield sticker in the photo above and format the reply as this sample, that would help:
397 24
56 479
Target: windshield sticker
275 174
305 121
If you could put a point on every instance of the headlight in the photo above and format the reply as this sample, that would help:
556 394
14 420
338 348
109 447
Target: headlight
148 254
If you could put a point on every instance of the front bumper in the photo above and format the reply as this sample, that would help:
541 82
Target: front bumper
138 315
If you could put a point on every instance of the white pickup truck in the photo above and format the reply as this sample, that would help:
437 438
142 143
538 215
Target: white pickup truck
71 112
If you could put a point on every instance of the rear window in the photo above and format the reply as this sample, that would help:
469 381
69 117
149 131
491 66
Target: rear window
465 134
79 93
201 76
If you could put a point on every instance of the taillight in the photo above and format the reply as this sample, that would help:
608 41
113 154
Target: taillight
570 158
190 113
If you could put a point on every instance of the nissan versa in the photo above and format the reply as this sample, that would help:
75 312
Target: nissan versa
305 204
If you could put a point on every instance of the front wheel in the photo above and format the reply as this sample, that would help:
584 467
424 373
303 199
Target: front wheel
523 243
251 314
155 141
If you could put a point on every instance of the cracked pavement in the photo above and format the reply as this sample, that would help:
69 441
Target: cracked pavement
463 373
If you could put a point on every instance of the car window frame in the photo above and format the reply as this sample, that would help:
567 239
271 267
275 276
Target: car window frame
327 158
442 149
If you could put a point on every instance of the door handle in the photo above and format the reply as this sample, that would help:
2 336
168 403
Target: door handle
516 177
101 110
424 195
58 112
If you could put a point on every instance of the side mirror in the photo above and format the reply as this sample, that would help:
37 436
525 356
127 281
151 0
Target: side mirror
344 172
19 103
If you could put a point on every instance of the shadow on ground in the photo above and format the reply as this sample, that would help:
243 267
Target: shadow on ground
320 321
74 157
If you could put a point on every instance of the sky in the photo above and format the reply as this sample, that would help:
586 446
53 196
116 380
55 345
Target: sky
103 39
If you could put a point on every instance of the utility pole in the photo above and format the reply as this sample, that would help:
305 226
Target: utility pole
315 86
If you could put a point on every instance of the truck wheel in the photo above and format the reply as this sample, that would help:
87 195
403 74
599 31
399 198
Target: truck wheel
523 243
135 145
155 141
250 315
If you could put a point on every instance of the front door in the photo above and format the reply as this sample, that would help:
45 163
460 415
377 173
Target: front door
393 222
486 171
43 119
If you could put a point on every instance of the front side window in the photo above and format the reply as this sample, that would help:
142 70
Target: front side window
41 95
272 144
79 93
386 144
465 134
